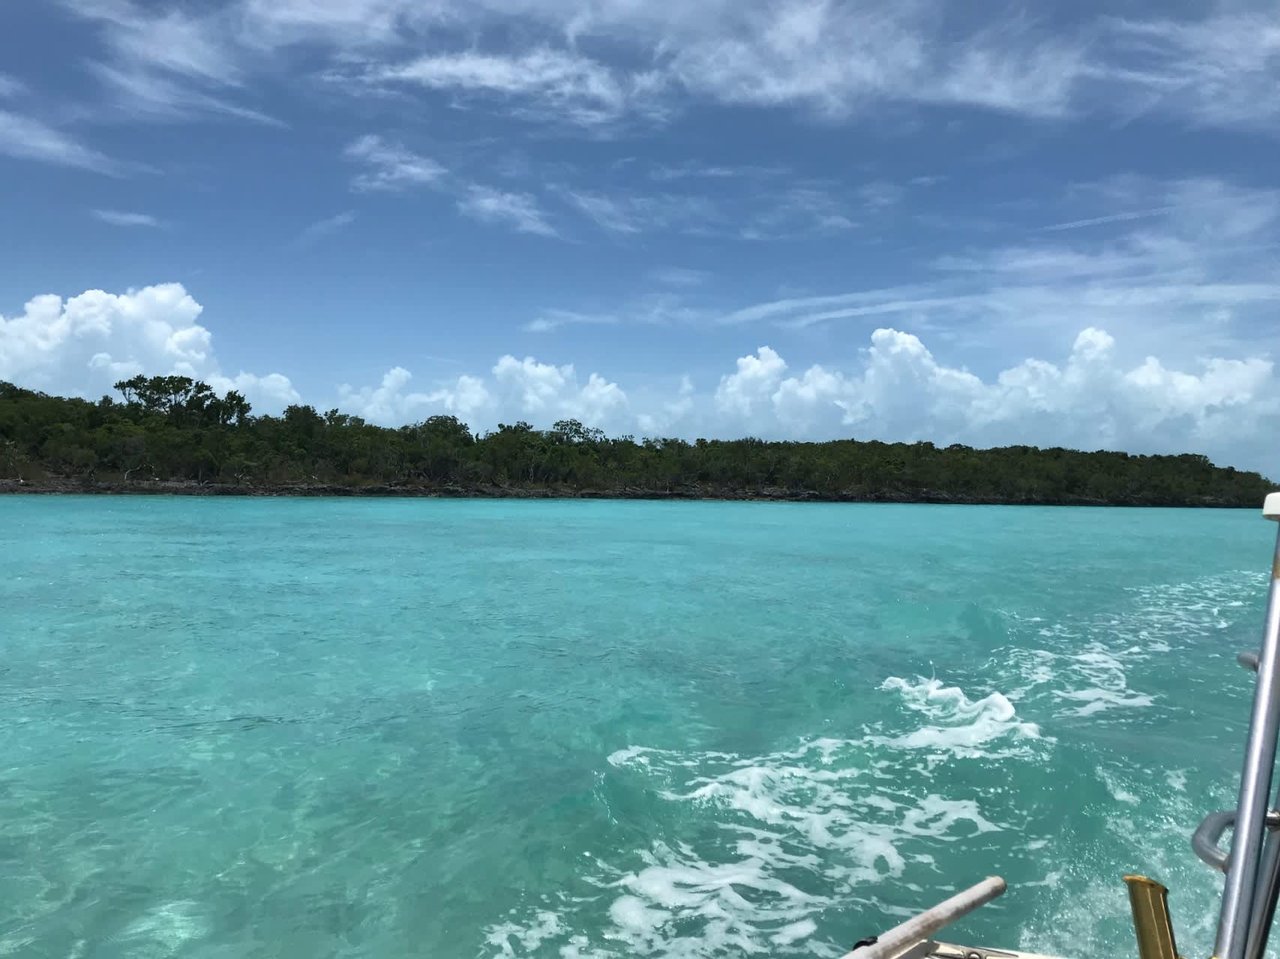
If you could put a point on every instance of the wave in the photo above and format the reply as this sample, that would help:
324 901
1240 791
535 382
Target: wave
783 838
768 853
958 726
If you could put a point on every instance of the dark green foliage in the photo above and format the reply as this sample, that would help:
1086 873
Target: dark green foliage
174 429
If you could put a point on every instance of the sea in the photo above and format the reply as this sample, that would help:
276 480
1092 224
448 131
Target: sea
391 727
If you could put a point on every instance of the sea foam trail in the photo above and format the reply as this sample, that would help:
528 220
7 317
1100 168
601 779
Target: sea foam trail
796 836
1171 637
1086 664
957 725
793 842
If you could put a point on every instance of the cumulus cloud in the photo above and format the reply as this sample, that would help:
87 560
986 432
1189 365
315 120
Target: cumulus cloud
742 393
392 403
660 420
1091 400
895 388
516 389
82 345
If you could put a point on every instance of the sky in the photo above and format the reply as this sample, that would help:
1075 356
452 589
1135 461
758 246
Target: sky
1044 223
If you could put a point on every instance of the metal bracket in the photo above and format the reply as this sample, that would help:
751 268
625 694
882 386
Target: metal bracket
1205 839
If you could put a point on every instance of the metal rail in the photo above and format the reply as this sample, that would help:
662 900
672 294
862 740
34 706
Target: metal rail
1242 894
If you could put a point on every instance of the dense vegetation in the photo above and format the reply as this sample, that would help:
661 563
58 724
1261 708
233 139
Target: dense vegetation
171 430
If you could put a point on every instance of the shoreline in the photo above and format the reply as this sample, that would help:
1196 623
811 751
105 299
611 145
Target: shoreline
63 486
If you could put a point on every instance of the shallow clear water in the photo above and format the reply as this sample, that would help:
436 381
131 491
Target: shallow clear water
234 728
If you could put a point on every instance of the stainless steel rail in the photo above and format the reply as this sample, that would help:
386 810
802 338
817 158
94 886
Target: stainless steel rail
1241 892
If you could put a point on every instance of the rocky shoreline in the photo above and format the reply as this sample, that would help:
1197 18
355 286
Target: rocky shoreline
63 486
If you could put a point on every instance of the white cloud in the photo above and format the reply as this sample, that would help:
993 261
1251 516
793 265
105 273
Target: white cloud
1193 273
1107 219
563 84
466 397
703 171
744 392
11 86
841 59
596 62
515 390
881 194
390 403
342 23
800 210
172 40
1092 400
390 166
327 227
169 64
1220 71
896 388
651 309
517 210
122 218
149 95
792 309
669 413
550 320
385 403
29 139
81 346
680 276
267 394
607 212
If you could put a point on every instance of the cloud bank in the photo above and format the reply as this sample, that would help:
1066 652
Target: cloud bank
892 388
596 63
82 345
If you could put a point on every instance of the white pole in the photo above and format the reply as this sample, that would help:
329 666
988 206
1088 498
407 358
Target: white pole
930 921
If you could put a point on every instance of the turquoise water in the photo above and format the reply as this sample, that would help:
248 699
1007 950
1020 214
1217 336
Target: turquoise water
243 728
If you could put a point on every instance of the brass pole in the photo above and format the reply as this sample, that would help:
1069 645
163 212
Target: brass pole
1150 904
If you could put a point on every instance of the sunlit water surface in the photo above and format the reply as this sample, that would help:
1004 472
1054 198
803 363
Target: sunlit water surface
390 728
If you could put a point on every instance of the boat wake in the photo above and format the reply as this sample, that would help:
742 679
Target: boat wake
768 851
801 851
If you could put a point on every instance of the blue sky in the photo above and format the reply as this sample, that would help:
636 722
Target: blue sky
1043 223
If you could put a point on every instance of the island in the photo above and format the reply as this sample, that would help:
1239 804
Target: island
173 434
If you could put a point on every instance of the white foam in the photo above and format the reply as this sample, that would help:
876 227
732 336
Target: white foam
529 935
833 822
803 825
1100 700
958 725
795 932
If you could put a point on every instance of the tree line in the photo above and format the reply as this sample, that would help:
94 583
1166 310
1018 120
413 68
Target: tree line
168 430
